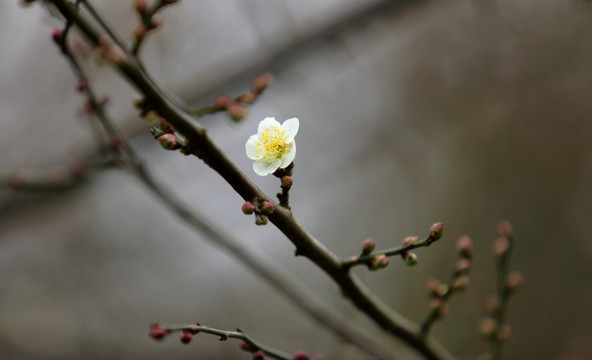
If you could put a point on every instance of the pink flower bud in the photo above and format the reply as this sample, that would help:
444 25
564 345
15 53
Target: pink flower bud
501 245
140 31
236 111
488 327
410 240
260 219
411 259
258 355
247 98
432 286
463 266
287 182
169 142
464 246
248 208
267 208
504 228
222 101
439 306
379 262
156 21
436 231
515 281
368 246
460 283
261 83
56 35
157 332
300 355
186 336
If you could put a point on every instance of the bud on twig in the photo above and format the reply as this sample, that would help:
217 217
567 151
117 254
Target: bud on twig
410 240
493 305
436 231
258 355
260 219
287 182
501 245
169 142
261 83
487 327
368 246
379 262
186 336
267 208
504 228
460 283
248 208
157 332
236 111
515 281
410 258
464 246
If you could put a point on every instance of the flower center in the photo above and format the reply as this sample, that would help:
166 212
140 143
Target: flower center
272 142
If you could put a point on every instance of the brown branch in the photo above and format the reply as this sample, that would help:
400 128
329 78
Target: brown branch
306 245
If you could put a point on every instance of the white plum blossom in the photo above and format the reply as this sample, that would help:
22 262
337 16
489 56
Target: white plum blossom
273 147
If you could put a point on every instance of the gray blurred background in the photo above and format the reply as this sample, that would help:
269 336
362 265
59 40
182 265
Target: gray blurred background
411 112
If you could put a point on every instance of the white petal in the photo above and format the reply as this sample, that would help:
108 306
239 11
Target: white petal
289 155
267 123
251 147
263 168
291 127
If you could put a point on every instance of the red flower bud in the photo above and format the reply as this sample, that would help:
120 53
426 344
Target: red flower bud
248 208
368 246
157 332
436 231
186 336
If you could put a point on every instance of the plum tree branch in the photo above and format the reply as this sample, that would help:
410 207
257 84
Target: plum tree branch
306 245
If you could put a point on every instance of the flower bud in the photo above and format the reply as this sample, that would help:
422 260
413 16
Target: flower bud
464 246
261 83
460 283
493 305
501 245
410 259
287 182
432 286
379 262
186 336
236 111
487 327
504 332
300 355
245 346
56 35
504 228
140 7
258 355
515 281
157 332
222 101
248 208
442 290
463 266
261 219
165 126
439 306
267 208
81 85
410 240
156 21
368 246
247 98
169 142
436 231
140 31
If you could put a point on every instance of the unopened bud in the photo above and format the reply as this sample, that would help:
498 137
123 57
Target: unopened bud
169 142
287 182
166 126
504 228
261 219
464 246
236 111
504 332
300 355
460 283
156 21
267 208
186 336
157 332
248 208
56 35
436 231
140 31
410 259
81 85
410 240
379 262
487 327
501 245
247 98
261 83
245 346
463 266
140 7
515 281
432 286
368 246
439 306
222 101
258 355
493 305
442 290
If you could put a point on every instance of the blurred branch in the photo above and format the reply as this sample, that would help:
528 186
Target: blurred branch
306 245
249 344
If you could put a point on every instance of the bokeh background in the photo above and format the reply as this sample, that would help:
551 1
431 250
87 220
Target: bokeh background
411 112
